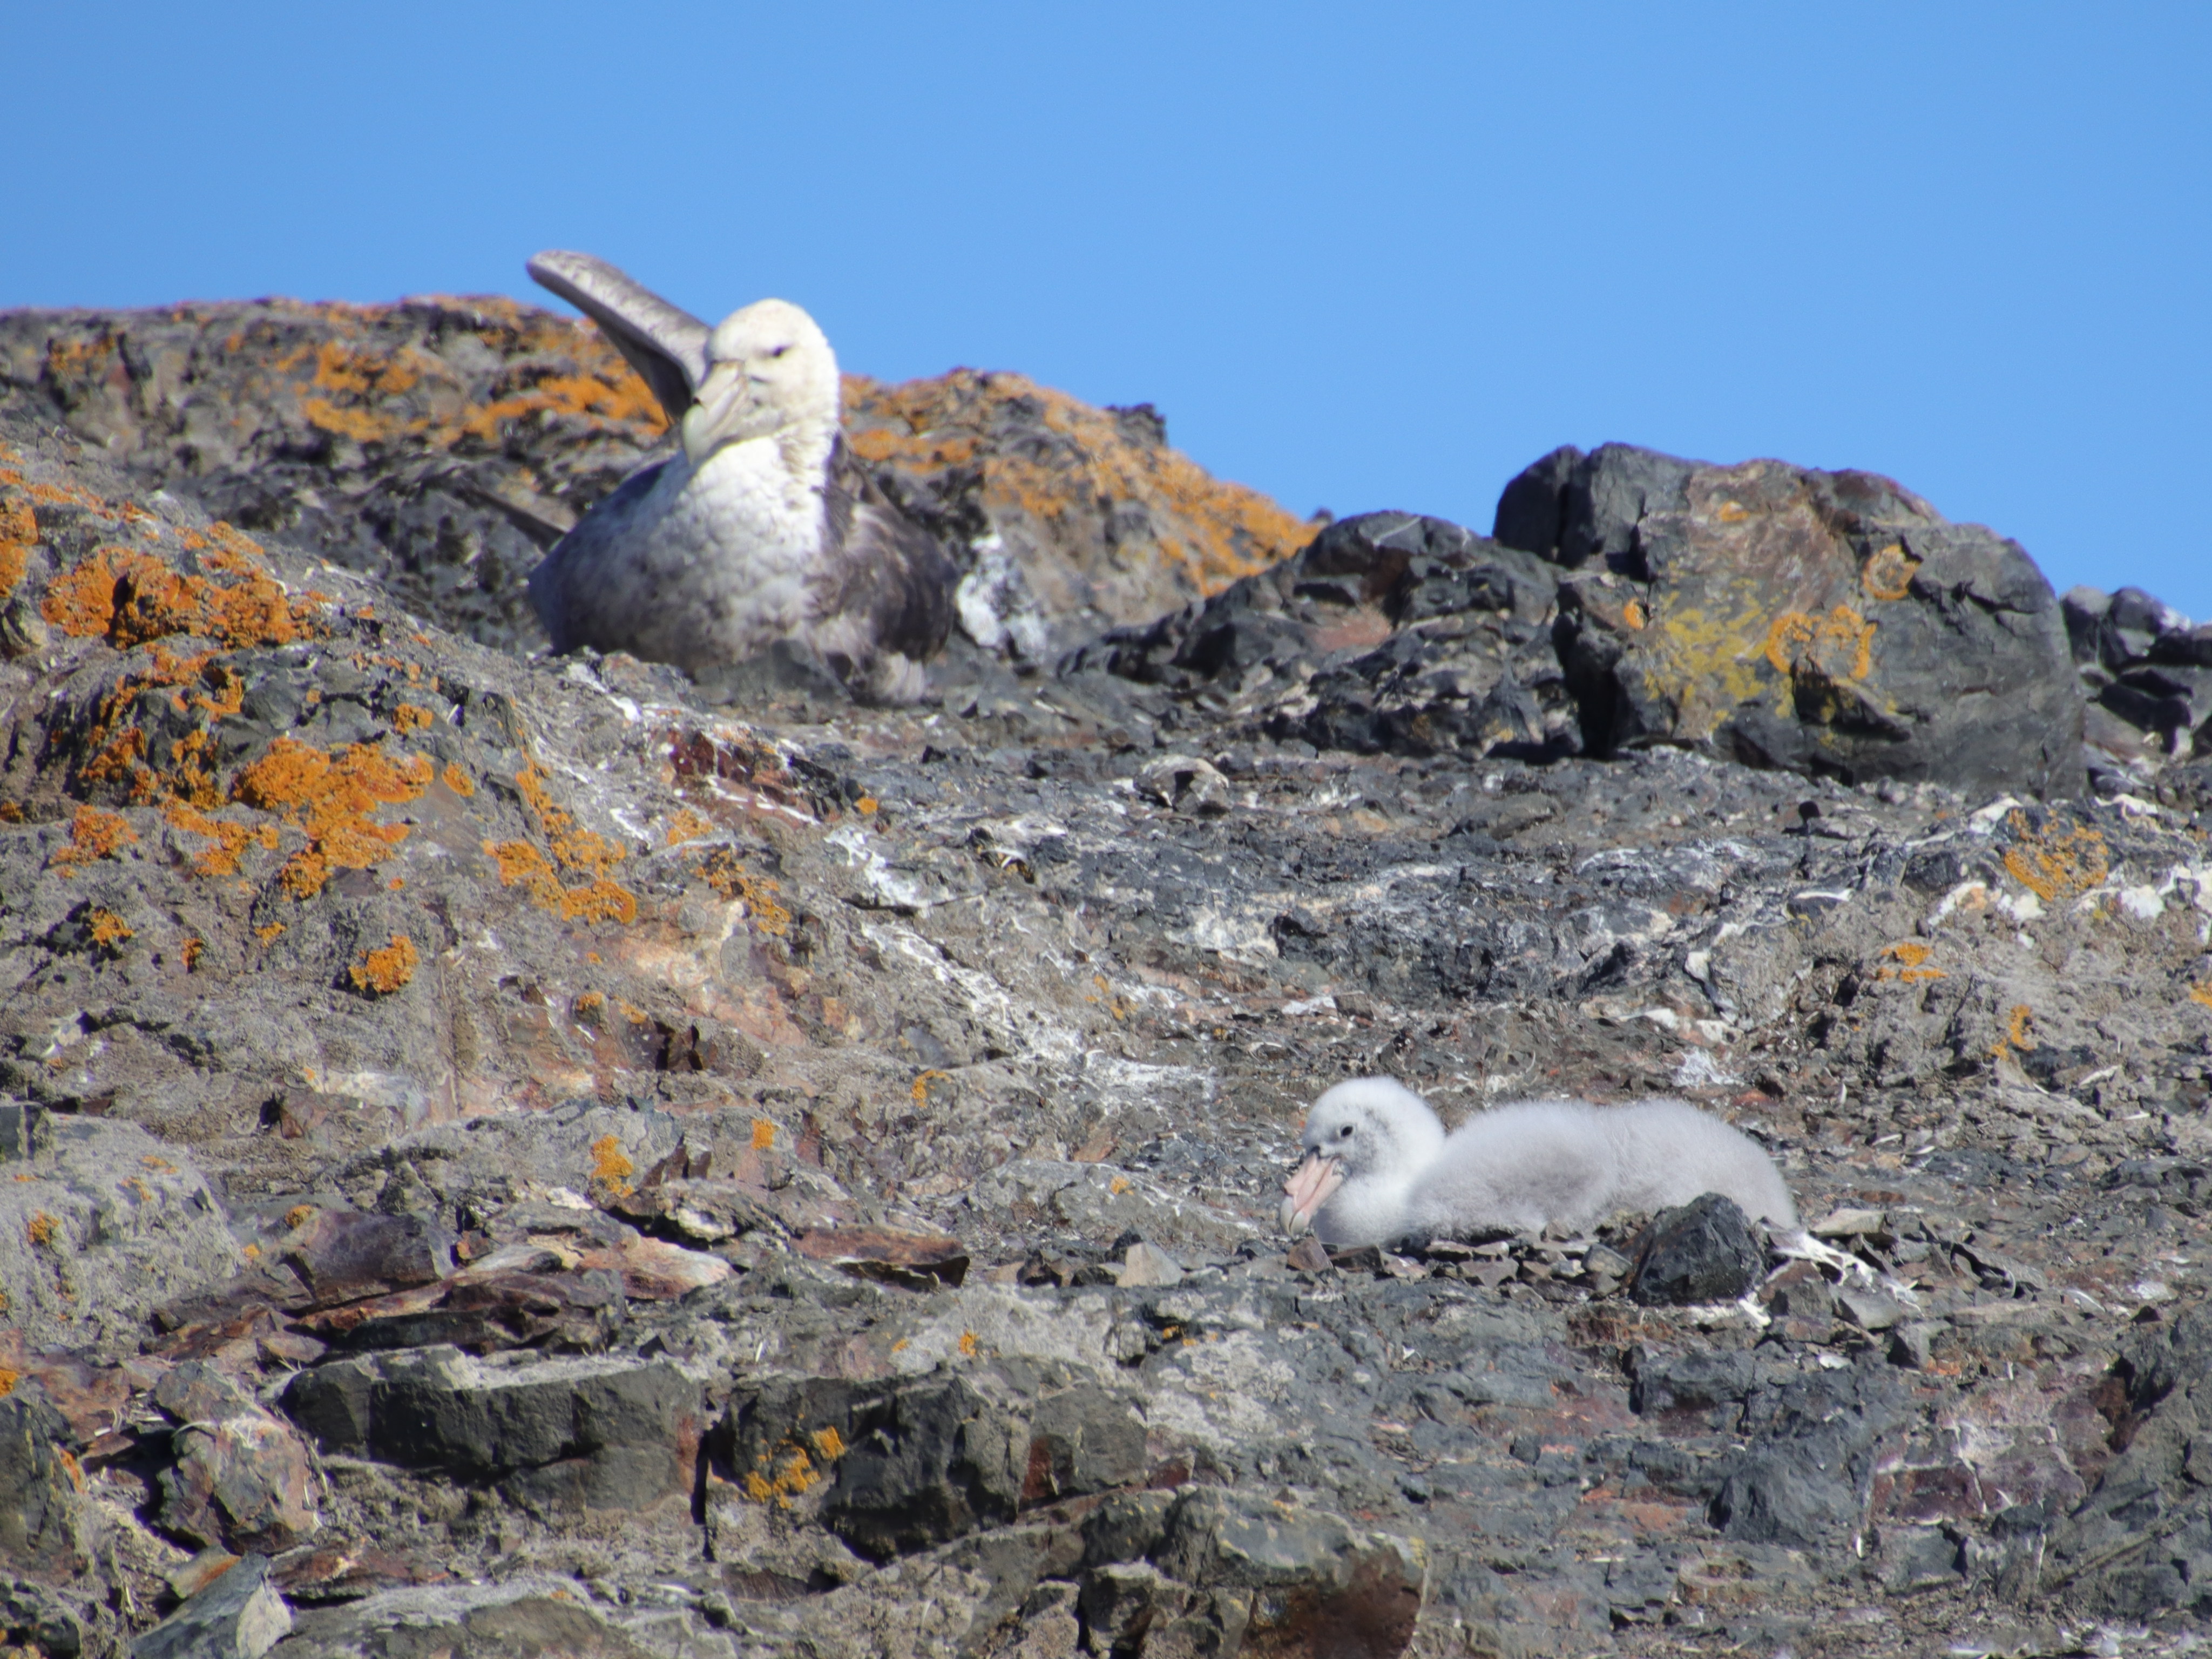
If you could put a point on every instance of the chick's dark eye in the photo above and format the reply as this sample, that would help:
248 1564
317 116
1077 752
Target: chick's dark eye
779 351
1345 1133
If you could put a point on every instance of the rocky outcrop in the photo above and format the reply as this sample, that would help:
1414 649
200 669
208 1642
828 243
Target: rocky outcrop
643 1179
1830 622
443 445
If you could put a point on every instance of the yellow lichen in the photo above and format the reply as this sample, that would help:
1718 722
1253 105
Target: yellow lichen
2055 864
381 972
971 1345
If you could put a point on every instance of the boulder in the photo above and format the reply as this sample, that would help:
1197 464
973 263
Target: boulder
1701 1251
615 1433
1831 623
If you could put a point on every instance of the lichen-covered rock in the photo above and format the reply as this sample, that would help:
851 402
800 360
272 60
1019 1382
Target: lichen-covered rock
98 1225
1829 622
443 445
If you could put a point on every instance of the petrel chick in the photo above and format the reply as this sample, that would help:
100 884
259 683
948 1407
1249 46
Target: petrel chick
764 527
1379 1167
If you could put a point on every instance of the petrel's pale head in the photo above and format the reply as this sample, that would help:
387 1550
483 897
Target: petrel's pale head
767 367
1371 1127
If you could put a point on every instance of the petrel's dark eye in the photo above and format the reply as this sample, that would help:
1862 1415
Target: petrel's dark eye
1345 1133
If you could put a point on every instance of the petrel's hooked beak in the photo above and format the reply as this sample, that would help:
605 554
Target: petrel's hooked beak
717 411
1311 1186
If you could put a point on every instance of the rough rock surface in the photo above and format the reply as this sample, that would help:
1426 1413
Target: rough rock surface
1831 623
801 1181
443 445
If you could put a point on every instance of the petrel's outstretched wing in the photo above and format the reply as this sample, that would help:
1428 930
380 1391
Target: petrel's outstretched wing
663 343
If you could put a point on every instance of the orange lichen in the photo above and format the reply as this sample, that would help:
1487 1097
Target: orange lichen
19 534
576 850
328 799
381 972
194 948
408 718
230 840
108 932
458 780
921 1085
1888 572
133 597
687 825
93 834
2202 993
2055 865
2017 1032
1910 957
722 872
1210 532
611 1165
763 1134
42 1230
8 1379
971 1345
1839 645
267 935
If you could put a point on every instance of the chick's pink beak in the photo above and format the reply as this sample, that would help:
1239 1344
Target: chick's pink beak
1311 1186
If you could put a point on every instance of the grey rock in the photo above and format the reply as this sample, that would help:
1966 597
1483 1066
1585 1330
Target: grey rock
613 1433
43 1524
1850 619
238 1616
112 1223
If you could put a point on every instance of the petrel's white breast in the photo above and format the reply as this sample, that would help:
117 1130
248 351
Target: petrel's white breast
705 566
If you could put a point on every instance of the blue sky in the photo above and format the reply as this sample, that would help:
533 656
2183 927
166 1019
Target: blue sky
1381 256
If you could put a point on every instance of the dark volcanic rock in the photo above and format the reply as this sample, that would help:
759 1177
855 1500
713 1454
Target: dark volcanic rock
1829 622
1390 633
1703 1251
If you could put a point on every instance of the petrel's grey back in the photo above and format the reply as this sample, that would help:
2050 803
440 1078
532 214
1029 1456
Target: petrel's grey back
665 344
